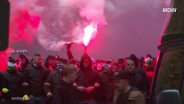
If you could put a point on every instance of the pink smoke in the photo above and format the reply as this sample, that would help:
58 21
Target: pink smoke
93 10
23 25
4 59
63 21
69 20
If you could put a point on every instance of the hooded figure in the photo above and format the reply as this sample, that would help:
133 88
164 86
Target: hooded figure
24 61
87 81
86 63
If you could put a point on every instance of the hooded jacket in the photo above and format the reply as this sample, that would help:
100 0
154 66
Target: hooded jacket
87 77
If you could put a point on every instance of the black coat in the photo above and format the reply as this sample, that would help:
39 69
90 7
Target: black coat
13 81
66 93
138 79
88 78
2 85
36 77
54 78
107 87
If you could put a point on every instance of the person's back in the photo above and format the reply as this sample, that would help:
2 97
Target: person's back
133 96
65 91
124 92
68 94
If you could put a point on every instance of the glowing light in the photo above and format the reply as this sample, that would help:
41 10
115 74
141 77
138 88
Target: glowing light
89 33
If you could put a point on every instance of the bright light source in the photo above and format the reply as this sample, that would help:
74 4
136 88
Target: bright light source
89 33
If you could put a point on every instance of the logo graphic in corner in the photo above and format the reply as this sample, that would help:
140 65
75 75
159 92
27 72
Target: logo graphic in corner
169 10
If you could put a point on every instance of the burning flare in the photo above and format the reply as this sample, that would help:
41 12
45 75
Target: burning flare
89 33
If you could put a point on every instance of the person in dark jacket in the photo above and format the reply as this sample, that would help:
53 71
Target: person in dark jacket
21 62
14 82
124 93
87 81
54 79
66 91
138 77
36 75
2 86
107 84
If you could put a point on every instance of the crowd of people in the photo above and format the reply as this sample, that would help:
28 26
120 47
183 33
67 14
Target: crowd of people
68 81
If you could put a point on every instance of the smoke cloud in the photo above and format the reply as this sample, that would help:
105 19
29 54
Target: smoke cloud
65 22
54 22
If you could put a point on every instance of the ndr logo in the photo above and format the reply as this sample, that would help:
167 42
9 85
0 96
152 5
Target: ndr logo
169 9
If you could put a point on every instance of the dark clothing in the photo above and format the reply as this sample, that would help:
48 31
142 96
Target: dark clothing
9 101
106 88
2 85
124 97
2 82
138 79
35 76
144 83
13 81
127 98
66 94
54 79
36 100
88 78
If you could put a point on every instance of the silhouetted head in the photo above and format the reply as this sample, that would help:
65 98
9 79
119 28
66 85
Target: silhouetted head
51 61
135 59
24 60
37 60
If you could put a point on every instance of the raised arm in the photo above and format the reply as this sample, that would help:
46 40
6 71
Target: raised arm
69 53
